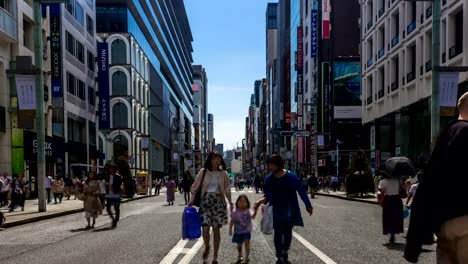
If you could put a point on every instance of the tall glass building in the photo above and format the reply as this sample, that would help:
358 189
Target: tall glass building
160 33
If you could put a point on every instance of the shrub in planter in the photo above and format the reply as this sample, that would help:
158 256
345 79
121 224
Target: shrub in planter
360 180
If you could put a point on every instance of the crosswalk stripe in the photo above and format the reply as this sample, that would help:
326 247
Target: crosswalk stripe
316 251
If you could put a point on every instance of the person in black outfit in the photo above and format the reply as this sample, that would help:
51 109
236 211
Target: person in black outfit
440 204
17 194
313 185
185 185
114 184
258 183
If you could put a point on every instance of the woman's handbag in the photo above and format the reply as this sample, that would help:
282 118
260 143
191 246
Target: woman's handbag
197 198
267 220
380 198
81 196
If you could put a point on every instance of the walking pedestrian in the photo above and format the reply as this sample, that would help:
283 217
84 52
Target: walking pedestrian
214 184
334 183
392 207
92 205
439 206
186 184
257 183
68 183
281 188
3 201
17 191
48 186
5 189
57 189
241 222
170 191
413 189
313 185
74 187
157 187
2 220
114 185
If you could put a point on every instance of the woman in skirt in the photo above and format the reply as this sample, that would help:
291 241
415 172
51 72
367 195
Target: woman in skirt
392 207
215 186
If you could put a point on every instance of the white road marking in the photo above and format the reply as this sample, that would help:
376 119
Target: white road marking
316 251
174 253
192 252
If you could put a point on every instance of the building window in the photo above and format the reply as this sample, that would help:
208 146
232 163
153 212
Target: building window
80 51
91 63
70 43
79 14
119 83
2 119
90 25
76 10
71 85
81 90
119 52
28 35
119 116
91 96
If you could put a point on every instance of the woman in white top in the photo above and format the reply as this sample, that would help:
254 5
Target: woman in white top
215 187
393 219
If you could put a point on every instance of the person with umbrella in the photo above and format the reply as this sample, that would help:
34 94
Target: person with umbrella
393 170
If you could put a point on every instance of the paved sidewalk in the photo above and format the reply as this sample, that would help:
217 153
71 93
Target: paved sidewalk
342 195
31 214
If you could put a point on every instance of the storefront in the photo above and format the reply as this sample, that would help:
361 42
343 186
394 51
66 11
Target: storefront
54 154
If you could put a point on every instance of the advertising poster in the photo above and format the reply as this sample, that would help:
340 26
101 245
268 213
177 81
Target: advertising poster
326 10
347 90
26 92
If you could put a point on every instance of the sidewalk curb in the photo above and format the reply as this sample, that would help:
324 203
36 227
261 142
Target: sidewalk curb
347 198
59 214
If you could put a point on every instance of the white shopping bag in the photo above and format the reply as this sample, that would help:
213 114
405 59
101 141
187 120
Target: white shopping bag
267 220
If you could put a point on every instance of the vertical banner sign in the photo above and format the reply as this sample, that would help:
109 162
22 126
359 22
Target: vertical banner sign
448 89
313 43
325 97
300 59
103 79
56 50
26 92
326 8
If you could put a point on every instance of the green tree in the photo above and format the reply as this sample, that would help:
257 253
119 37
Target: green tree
360 180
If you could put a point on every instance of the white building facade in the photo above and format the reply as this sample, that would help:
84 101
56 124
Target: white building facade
396 53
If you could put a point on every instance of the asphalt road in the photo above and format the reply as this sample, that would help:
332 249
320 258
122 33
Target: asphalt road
149 232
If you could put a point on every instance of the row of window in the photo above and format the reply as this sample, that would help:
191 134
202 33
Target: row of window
120 118
77 88
76 48
76 10
451 39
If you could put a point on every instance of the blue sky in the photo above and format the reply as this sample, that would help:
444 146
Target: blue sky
229 41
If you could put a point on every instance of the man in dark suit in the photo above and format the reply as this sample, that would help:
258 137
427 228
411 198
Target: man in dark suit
114 185
440 204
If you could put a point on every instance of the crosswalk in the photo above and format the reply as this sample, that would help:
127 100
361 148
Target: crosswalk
233 190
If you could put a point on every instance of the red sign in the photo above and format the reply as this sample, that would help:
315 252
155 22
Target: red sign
288 116
326 8
300 54
195 87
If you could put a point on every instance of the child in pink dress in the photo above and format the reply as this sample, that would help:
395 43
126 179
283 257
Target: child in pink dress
241 221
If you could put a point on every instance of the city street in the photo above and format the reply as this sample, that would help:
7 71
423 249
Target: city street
149 232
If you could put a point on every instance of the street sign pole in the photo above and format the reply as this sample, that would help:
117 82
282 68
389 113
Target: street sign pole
40 130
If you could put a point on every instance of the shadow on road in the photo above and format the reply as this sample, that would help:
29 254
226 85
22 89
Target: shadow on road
401 247
78 230
103 229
